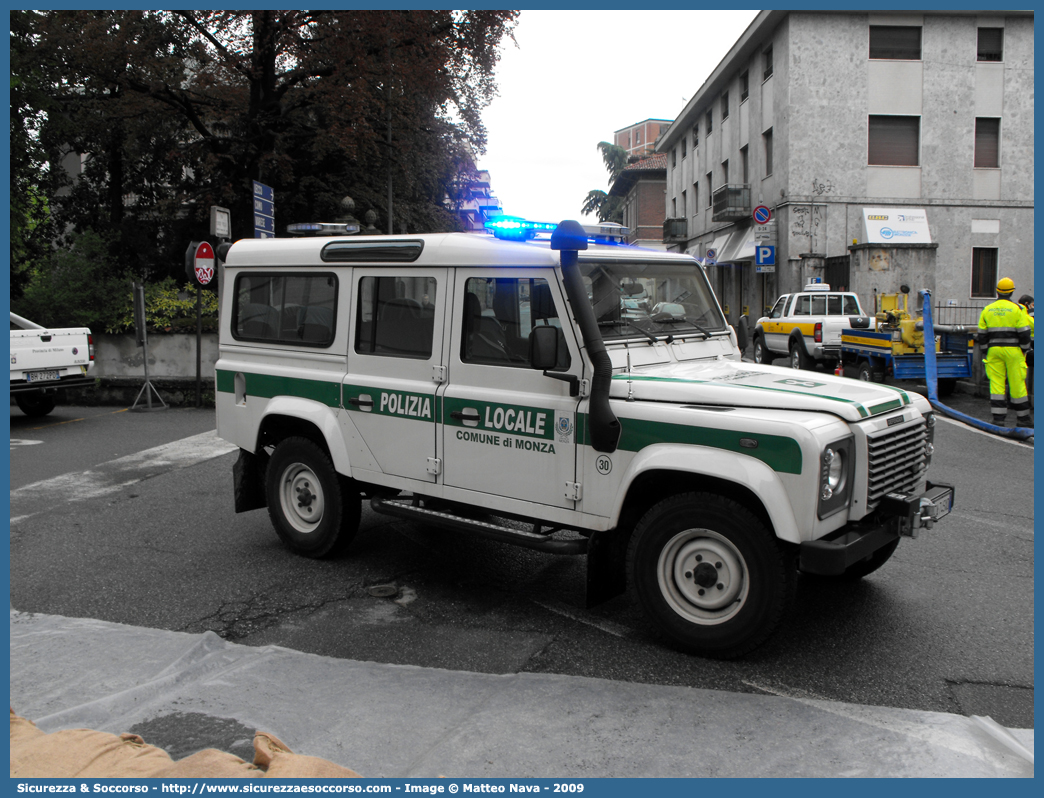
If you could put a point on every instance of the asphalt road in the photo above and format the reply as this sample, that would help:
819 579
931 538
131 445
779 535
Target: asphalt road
946 625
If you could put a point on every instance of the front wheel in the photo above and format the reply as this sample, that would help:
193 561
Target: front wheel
760 352
35 405
313 511
712 577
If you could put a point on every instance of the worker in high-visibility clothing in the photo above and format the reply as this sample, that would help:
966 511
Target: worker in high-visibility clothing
1004 331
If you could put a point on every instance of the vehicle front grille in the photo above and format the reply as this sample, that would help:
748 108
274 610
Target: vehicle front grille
896 460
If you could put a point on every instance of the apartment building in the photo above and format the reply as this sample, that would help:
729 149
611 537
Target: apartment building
640 138
642 185
890 148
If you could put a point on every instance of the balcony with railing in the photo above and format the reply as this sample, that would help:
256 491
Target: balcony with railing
674 230
730 203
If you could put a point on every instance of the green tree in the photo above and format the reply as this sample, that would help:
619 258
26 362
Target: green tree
607 208
171 112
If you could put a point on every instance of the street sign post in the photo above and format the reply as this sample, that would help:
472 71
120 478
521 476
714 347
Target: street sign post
762 214
220 222
264 211
711 256
764 255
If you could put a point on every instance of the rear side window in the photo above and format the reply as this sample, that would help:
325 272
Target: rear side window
396 316
819 303
279 308
834 305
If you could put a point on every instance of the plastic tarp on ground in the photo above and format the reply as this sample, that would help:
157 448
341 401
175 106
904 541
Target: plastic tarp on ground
404 721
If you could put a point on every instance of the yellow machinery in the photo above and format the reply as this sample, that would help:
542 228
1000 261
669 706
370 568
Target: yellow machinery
893 316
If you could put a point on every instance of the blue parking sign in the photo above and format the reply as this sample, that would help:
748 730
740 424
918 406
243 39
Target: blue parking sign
764 256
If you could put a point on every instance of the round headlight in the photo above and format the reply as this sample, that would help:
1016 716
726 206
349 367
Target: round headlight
835 463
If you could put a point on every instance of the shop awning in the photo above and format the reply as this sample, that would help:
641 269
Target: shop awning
740 246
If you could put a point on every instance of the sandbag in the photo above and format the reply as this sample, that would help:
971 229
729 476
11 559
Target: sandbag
210 764
280 762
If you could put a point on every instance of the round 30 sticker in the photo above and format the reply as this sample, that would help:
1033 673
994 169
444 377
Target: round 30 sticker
603 464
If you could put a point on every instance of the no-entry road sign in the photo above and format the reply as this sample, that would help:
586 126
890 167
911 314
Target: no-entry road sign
203 263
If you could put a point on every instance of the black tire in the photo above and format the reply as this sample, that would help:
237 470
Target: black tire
697 542
865 566
799 358
947 385
313 509
761 354
35 405
868 373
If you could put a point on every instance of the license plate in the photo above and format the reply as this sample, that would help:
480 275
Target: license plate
941 503
41 376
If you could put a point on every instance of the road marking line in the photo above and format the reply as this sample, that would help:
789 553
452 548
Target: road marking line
117 474
565 611
977 431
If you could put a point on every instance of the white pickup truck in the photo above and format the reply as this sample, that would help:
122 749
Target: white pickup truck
44 360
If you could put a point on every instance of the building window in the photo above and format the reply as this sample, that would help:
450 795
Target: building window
674 207
895 42
893 140
744 166
725 173
684 206
744 85
984 271
695 136
674 157
684 147
987 142
724 105
710 188
767 138
710 122
696 198
991 44
766 60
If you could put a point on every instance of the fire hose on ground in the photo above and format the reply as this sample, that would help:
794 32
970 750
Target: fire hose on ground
931 378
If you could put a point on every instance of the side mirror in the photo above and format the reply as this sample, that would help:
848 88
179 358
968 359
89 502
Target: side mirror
741 332
543 348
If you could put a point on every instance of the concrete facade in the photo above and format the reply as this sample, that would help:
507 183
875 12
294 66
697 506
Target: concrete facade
814 109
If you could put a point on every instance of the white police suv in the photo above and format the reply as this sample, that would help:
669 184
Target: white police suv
592 391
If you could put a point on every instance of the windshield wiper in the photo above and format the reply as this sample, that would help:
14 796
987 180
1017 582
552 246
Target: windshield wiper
632 325
676 320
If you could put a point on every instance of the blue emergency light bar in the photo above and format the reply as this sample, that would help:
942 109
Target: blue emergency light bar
515 228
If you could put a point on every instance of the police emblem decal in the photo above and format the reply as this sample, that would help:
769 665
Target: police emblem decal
564 427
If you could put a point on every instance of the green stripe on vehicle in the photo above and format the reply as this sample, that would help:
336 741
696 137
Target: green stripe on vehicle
268 386
390 402
779 453
884 407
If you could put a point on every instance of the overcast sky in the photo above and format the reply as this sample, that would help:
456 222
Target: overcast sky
578 76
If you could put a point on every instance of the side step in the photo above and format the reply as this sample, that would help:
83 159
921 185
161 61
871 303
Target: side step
406 508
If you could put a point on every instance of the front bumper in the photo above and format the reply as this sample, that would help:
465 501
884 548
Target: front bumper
898 515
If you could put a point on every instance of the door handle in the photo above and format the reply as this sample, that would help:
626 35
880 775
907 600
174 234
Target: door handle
470 414
362 401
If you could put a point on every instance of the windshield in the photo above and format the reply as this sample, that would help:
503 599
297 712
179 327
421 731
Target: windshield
654 299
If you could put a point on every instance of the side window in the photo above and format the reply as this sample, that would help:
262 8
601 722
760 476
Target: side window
819 304
500 313
851 305
777 311
396 316
285 308
834 305
803 306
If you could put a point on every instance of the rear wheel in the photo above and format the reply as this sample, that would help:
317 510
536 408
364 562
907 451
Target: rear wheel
711 576
35 404
313 509
868 373
799 359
